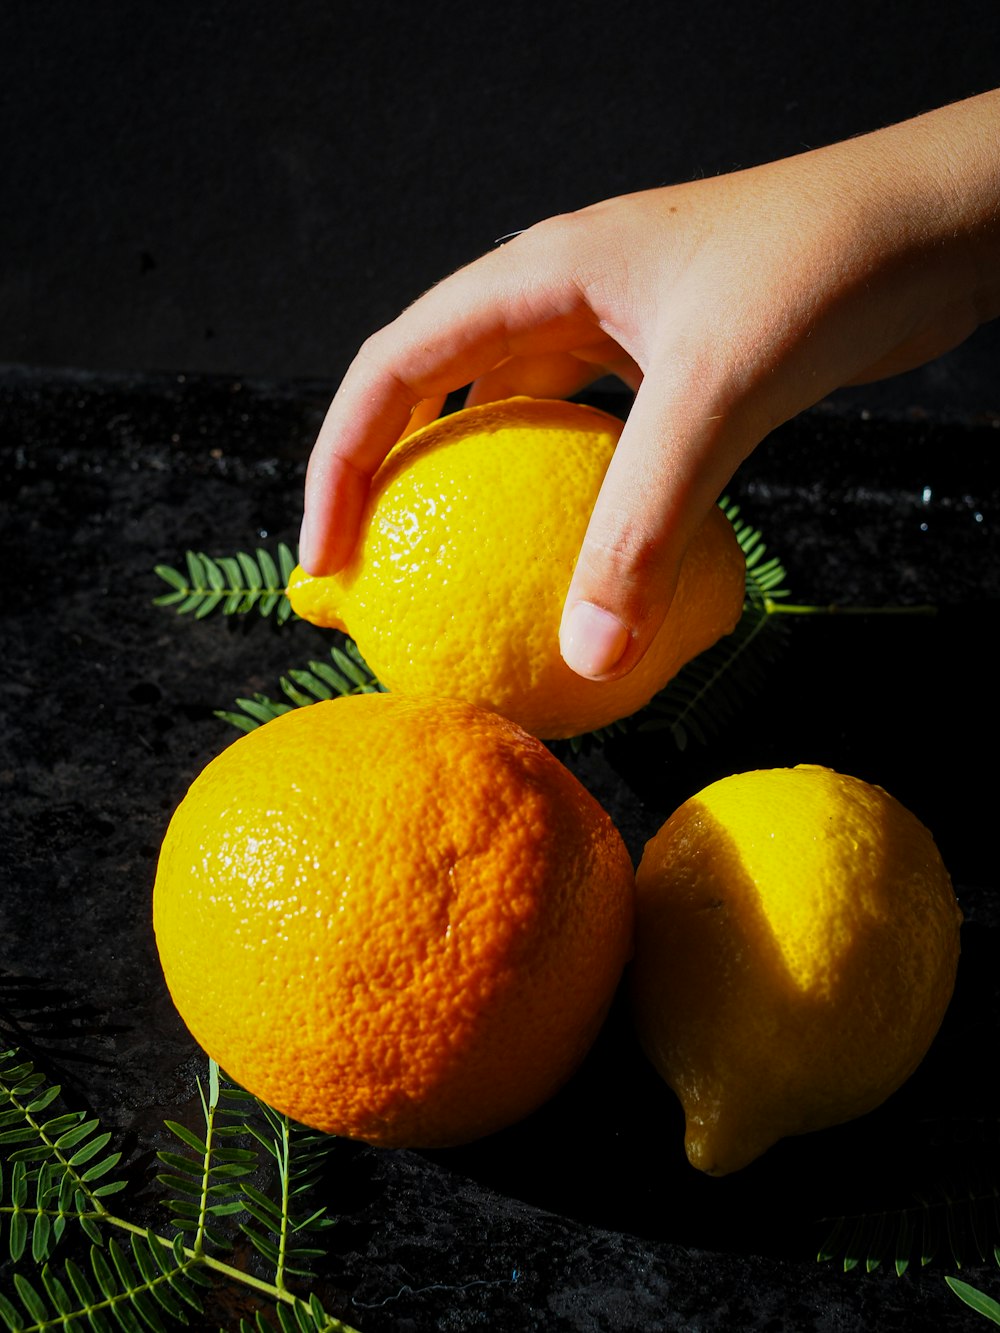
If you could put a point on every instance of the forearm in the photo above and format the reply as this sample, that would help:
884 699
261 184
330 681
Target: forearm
930 188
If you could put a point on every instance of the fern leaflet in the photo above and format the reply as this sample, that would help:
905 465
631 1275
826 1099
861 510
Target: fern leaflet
233 584
345 673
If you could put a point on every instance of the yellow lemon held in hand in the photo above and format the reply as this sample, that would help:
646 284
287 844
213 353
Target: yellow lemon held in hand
395 920
468 543
797 938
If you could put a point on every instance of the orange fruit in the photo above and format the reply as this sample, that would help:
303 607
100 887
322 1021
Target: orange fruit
469 540
396 920
797 938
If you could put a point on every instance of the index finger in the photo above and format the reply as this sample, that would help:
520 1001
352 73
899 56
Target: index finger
465 326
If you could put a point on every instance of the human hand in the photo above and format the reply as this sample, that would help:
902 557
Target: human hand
728 305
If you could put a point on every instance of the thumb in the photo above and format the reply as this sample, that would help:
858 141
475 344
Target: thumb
669 468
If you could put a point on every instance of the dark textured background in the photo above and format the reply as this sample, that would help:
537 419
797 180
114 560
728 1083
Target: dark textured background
251 187
204 208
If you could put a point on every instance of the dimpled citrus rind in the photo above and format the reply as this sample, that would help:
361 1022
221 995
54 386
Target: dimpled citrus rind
469 541
797 945
394 920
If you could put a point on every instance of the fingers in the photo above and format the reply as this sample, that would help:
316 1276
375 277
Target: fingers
422 414
554 374
325 537
399 377
517 301
674 458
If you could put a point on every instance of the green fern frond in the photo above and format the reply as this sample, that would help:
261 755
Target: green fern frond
346 672
233 584
58 1163
299 1156
712 689
764 577
253 712
964 1223
210 1181
128 1288
54 1168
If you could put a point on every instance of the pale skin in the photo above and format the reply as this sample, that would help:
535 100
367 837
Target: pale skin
728 305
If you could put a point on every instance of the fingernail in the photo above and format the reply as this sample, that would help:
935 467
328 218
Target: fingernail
592 641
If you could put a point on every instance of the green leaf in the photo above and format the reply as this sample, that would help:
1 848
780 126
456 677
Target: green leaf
102 1272
207 605
238 720
182 1184
352 666
177 1162
121 1263
91 1149
61 1300
9 1314
196 572
30 1299
234 1156
231 568
261 1207
60 1123
266 1247
101 1169
142 1303
253 578
77 1135
152 1276
260 709
287 562
41 1238
17 1135
311 682
46 1099
187 1136
272 579
231 1171
976 1300
90 1228
338 683
213 574
226 1209
14 1073
17 1236
18 1185
113 1187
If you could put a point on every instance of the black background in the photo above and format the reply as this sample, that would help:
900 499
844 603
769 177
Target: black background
251 188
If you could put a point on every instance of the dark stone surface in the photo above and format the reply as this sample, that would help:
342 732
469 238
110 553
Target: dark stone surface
586 1216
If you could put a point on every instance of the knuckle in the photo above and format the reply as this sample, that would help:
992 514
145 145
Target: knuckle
622 559
557 240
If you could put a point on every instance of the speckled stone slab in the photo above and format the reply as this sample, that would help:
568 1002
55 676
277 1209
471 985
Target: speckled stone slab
586 1216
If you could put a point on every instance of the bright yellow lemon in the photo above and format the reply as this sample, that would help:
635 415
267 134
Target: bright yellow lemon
467 547
797 941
